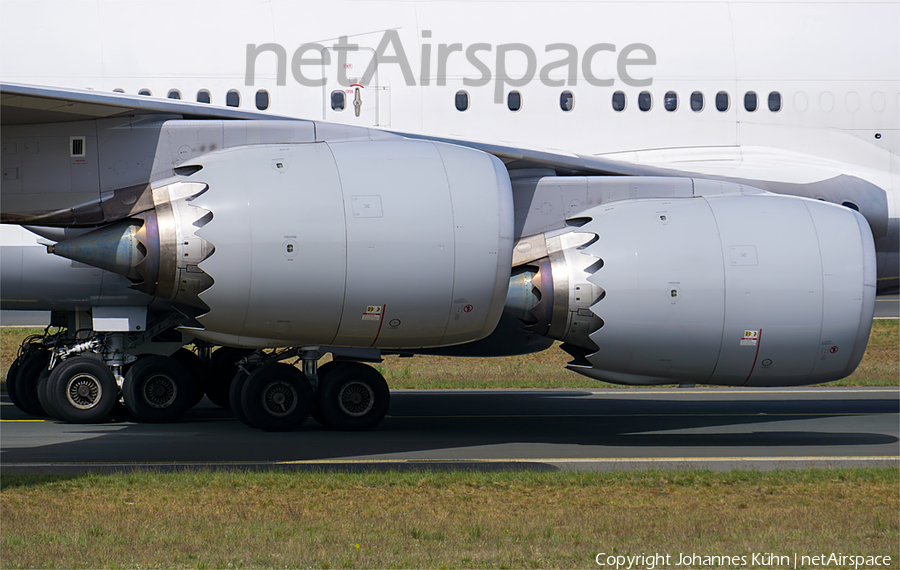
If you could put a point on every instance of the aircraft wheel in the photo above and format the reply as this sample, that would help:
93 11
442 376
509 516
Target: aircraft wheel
316 411
157 389
276 397
82 390
41 390
353 397
11 380
197 370
26 382
222 371
234 396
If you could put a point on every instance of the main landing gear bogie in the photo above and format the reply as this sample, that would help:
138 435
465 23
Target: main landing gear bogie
85 383
350 396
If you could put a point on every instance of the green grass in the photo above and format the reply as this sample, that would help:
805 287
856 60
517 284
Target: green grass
879 367
439 520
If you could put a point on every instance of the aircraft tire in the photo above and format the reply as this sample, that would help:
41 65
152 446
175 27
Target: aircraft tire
14 369
353 397
157 389
11 381
43 398
276 397
197 370
222 371
316 411
234 396
26 383
82 390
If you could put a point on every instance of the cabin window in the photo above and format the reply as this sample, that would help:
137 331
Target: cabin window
671 101
618 101
233 98
118 90
462 100
174 94
203 96
262 99
645 101
722 101
338 100
566 101
514 100
774 101
750 102
696 101
145 91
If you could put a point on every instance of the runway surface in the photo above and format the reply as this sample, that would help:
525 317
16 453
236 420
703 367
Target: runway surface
887 307
710 428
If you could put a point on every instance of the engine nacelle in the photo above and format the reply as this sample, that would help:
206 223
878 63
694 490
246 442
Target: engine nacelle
730 287
383 244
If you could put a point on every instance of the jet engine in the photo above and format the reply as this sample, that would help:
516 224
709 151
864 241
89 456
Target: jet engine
380 244
717 284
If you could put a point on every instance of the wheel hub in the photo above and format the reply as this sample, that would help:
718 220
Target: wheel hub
83 391
279 398
160 391
356 399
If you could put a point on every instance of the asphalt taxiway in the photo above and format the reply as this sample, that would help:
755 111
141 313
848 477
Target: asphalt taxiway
713 428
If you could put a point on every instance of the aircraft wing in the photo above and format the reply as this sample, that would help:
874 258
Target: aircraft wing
31 104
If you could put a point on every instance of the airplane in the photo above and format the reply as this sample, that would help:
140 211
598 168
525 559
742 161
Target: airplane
678 192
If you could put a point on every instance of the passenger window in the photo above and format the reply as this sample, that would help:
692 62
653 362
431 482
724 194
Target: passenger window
618 101
145 92
671 101
774 101
750 102
118 90
722 101
174 94
514 100
338 100
262 99
462 100
567 101
203 96
233 98
696 101
645 101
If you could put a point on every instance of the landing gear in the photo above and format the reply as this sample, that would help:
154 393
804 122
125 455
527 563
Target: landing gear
197 370
222 370
352 396
26 382
157 389
234 396
276 397
82 390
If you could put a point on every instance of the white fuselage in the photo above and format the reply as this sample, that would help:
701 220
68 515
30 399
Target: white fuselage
836 67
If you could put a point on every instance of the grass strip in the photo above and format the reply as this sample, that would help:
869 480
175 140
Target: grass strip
276 519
